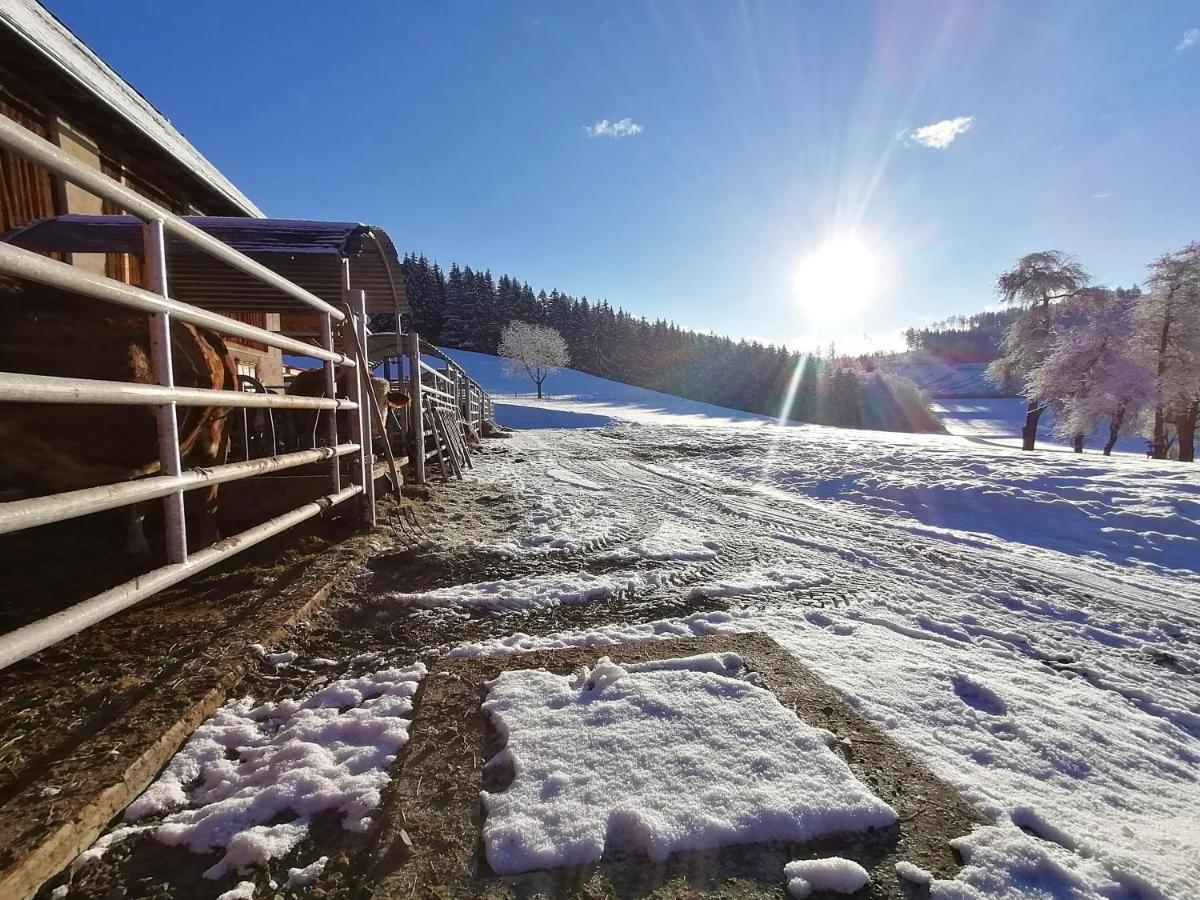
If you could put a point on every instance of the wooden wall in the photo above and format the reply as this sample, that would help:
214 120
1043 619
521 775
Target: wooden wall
27 191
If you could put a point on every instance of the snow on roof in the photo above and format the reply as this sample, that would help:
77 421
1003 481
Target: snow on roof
45 33
655 758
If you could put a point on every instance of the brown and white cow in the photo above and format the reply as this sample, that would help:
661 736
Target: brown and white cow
311 383
51 448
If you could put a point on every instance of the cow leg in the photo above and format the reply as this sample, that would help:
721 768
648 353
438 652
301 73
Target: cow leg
210 449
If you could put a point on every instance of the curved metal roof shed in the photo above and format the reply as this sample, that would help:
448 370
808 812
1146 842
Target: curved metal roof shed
310 254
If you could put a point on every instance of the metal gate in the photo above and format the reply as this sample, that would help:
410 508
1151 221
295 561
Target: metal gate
165 397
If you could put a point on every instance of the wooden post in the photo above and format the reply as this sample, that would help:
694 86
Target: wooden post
155 248
417 405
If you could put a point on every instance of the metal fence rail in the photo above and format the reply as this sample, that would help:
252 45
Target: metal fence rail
165 397
450 389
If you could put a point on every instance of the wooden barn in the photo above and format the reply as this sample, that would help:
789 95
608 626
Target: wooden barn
149 307
53 85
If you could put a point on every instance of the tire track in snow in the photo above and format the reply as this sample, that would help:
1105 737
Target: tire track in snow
960 568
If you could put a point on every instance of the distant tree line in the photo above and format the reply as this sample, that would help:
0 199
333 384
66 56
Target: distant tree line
468 310
960 339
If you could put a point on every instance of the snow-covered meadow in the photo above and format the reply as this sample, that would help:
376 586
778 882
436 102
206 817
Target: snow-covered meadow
1026 624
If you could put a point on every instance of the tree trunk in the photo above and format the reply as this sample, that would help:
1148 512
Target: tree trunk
539 384
1160 434
1029 431
1187 444
1114 430
1077 443
1160 420
1185 426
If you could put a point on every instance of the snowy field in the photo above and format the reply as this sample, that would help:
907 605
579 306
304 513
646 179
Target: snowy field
1026 624
998 420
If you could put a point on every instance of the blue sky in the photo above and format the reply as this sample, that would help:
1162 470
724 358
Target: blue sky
756 135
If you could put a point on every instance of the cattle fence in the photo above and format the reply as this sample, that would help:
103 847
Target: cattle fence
166 397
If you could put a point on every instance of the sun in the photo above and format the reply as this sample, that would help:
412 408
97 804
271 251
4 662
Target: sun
838 279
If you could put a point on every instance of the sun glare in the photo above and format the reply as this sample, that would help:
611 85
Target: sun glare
838 278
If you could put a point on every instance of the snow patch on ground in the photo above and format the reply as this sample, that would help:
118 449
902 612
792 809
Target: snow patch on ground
833 874
1022 623
759 581
1122 512
914 873
657 760
306 875
1000 420
674 541
1004 863
515 394
512 415
248 766
1053 753
532 591
244 890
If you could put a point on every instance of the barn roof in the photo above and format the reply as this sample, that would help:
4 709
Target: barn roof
50 41
307 253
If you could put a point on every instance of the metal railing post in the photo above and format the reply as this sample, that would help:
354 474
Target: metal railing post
416 404
155 248
335 466
362 424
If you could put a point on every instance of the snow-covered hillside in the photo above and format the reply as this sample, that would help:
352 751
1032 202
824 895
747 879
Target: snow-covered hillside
999 421
512 391
950 379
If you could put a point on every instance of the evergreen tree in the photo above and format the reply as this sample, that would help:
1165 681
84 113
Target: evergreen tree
469 310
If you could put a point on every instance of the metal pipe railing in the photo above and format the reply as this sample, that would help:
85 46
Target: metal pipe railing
361 425
18 515
166 396
23 642
35 267
416 407
166 420
37 149
16 387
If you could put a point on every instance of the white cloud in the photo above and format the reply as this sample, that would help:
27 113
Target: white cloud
941 135
621 128
1190 38
1101 195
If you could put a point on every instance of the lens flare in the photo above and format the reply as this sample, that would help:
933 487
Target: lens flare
838 279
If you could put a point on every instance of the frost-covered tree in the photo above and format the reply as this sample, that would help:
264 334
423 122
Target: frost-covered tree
534 350
1036 285
1169 327
1094 371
